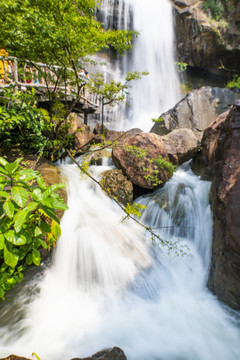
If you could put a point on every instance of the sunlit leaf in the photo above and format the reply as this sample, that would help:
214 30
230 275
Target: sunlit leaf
8 208
9 258
36 257
19 195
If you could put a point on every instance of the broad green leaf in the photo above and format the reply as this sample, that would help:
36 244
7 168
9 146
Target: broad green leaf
11 167
51 189
42 243
27 174
29 259
59 204
45 227
50 213
8 208
3 171
55 229
19 219
4 194
19 195
37 195
37 231
3 161
31 206
41 183
15 239
2 241
47 202
9 258
36 257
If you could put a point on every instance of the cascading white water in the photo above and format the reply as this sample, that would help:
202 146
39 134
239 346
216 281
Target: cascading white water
153 51
108 286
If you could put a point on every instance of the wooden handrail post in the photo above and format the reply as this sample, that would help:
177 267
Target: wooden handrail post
15 74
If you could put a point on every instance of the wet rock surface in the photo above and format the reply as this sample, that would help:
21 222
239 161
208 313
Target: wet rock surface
219 162
206 43
136 155
196 111
181 145
117 185
110 354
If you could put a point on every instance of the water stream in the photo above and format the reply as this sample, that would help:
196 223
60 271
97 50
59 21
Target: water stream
108 285
153 51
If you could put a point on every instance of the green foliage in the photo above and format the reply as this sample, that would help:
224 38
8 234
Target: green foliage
54 32
133 210
27 219
181 66
21 122
136 151
32 130
160 119
215 7
157 164
164 164
234 83
113 92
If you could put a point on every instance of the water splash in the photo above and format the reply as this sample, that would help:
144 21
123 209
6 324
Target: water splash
109 286
153 51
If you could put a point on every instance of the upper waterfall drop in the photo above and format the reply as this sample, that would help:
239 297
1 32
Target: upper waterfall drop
153 51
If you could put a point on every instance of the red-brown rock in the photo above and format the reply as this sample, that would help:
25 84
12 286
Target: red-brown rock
136 155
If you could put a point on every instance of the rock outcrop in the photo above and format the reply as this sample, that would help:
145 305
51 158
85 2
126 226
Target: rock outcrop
206 43
220 163
138 156
181 145
117 185
196 111
110 354
14 357
83 136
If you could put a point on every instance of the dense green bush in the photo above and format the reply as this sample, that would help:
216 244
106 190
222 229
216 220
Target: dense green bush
30 129
27 220
234 83
215 7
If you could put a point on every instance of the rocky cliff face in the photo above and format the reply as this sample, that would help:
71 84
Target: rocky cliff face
204 42
196 111
220 163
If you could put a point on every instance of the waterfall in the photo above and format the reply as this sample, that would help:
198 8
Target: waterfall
108 285
153 51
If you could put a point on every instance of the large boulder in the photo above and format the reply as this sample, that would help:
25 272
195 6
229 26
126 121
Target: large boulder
203 42
83 136
139 157
196 111
117 185
181 145
110 354
220 162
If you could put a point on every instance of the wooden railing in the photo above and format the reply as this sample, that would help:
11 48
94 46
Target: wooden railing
23 74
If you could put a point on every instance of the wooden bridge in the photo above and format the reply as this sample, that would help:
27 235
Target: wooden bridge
23 75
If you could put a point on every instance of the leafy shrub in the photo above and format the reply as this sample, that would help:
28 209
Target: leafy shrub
30 129
215 7
234 83
27 220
